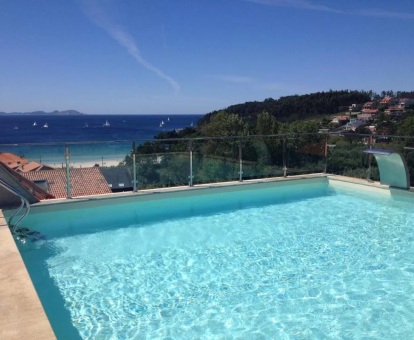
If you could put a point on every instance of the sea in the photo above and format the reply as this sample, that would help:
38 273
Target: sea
91 139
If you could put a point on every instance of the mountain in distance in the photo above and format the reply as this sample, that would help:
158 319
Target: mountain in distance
39 113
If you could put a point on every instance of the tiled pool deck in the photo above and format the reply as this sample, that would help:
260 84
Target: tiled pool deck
22 315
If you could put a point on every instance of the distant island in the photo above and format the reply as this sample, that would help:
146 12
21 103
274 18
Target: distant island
53 113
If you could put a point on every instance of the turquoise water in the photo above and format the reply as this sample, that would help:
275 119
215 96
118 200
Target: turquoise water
288 263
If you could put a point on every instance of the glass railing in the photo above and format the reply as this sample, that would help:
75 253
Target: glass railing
145 164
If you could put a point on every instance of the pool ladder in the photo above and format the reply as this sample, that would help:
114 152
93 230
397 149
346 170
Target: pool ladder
24 204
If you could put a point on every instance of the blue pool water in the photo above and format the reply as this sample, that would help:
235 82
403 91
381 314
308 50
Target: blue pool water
304 261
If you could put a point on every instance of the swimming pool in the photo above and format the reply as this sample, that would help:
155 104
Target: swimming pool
298 259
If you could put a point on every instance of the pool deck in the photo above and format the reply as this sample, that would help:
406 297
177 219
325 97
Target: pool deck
22 314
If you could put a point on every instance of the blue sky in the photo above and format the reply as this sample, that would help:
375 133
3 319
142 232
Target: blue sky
196 56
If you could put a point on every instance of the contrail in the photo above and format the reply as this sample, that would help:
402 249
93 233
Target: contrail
95 13
310 5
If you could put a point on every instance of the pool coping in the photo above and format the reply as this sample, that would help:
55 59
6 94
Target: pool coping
22 314
19 301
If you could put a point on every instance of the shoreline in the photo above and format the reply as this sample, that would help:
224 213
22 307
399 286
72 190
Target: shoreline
87 164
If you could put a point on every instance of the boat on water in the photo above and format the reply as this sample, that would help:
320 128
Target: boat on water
86 125
162 123
106 124
45 126
34 123
192 124
16 128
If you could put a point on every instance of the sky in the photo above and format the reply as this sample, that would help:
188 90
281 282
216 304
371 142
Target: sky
197 56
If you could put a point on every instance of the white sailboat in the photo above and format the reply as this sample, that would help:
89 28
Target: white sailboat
34 124
192 124
162 123
45 126
86 125
106 124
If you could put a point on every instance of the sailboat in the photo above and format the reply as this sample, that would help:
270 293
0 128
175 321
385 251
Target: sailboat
192 124
86 125
45 126
106 124
168 119
34 124
162 123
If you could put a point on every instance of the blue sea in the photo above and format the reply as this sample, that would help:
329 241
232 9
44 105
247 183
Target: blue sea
94 142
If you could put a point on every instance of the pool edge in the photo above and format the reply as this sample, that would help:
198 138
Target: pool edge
22 314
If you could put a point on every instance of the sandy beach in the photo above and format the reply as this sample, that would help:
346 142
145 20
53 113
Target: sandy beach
89 164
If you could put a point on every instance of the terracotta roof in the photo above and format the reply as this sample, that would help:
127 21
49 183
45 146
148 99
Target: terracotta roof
28 185
84 181
369 111
11 159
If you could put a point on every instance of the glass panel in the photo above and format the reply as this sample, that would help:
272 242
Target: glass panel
305 154
215 160
262 157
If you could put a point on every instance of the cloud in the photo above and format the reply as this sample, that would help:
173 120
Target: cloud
308 5
301 4
100 18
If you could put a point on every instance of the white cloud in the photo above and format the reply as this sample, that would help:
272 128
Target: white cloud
308 5
100 18
301 4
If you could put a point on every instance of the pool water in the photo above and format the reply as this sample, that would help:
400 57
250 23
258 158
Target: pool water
313 262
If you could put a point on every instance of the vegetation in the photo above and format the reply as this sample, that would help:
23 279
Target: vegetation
270 137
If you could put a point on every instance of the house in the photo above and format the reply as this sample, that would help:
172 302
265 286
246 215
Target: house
84 181
388 101
370 111
355 107
366 116
370 106
404 102
340 120
395 110
354 124
118 178
22 185
21 164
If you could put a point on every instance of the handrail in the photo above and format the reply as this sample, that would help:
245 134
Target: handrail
24 202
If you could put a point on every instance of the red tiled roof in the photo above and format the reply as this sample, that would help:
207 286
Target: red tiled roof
35 190
11 159
370 111
84 181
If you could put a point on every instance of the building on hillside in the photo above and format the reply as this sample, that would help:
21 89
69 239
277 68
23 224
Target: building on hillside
366 117
84 181
354 124
355 108
370 111
370 106
340 120
395 110
388 101
404 102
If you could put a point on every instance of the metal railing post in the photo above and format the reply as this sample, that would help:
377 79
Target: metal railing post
68 184
134 173
240 163
190 147
369 160
326 155
284 158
